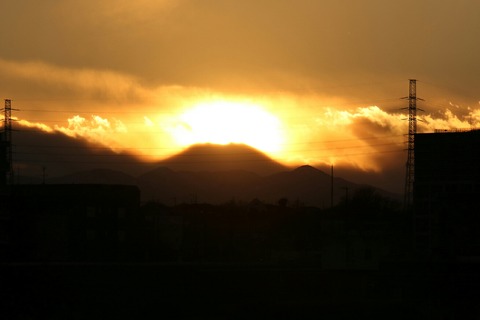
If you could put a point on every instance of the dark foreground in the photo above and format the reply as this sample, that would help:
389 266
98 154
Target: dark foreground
227 291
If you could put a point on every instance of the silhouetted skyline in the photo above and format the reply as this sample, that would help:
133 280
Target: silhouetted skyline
257 100
59 158
246 258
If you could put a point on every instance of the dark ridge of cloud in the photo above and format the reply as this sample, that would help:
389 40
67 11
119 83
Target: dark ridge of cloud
391 179
382 133
60 155
366 128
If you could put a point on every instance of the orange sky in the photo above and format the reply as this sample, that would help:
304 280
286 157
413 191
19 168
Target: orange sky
313 82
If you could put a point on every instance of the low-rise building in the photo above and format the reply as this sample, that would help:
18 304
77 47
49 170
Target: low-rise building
447 195
71 223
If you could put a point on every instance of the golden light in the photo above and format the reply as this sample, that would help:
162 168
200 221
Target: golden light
224 122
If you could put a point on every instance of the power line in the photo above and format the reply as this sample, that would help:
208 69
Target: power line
292 144
197 161
83 111
194 155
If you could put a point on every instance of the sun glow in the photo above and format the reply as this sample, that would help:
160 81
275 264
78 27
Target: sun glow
224 122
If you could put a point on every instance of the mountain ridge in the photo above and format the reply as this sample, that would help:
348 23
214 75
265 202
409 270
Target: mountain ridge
309 186
201 173
213 157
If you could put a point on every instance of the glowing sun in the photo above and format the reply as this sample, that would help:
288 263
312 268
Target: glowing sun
224 122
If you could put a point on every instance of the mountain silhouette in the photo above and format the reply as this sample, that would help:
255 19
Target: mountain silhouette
218 174
214 157
305 185
202 173
95 176
170 187
54 154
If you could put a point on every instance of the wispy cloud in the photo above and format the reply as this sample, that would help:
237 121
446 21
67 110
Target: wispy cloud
35 125
101 84
317 128
96 129
447 120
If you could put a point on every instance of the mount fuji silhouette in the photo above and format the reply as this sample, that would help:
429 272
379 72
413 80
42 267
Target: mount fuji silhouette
217 174
213 157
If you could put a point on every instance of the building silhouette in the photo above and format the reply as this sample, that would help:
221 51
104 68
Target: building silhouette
4 165
70 223
447 195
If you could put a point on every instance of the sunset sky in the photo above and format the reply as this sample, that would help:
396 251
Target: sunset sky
315 82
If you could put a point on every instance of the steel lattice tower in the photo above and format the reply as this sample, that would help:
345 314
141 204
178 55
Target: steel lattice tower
412 130
7 143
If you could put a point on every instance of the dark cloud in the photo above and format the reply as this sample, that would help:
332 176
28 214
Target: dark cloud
288 45
59 154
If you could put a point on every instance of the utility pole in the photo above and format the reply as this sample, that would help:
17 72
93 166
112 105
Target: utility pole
346 195
412 130
331 188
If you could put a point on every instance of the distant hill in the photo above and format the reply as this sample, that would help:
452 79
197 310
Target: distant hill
202 173
57 155
309 186
218 174
96 176
170 187
305 185
212 157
